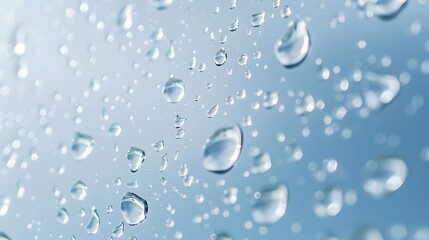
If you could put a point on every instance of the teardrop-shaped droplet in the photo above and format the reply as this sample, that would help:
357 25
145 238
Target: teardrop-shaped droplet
242 60
270 100
4 205
157 35
328 202
115 129
134 208
366 233
382 90
213 111
258 19
133 184
234 25
3 236
385 9
223 149
79 190
63 216
202 67
192 63
305 105
385 175
270 207
286 12
119 230
136 157
174 90
261 163
220 57
125 20
94 223
178 123
232 4
183 170
171 53
164 163
161 4
82 146
180 133
159 146
293 47
152 53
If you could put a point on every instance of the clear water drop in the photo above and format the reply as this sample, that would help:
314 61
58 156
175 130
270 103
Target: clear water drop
115 129
382 89
366 233
220 57
261 163
119 230
292 48
136 157
159 146
179 121
234 25
305 105
82 146
192 63
385 9
174 90
161 4
213 111
164 163
270 100
286 12
4 205
125 20
230 196
94 223
223 149
63 216
134 208
271 206
328 202
180 133
157 35
153 53
258 19
385 175
79 190
242 60
183 170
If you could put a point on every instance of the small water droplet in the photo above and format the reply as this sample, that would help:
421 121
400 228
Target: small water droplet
305 105
383 89
79 190
385 9
242 60
115 129
220 57
366 233
119 230
134 208
270 207
63 216
136 157
164 163
161 4
174 90
230 196
82 146
94 223
329 202
270 100
258 19
125 20
286 12
261 163
159 146
213 111
234 25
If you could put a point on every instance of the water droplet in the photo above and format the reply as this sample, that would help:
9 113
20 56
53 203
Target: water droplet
109 209
222 236
220 57
82 146
159 146
136 157
270 100
192 63
161 4
20 45
183 170
174 90
157 35
234 25
134 208
213 111
171 53
261 163
79 190
119 230
63 216
329 202
305 105
258 19
271 206
366 233
125 20
178 123
180 133
383 88
385 175
233 4
293 47
385 9
223 149
152 53
94 223
230 196
164 163
115 129
202 67
3 236
242 60
286 12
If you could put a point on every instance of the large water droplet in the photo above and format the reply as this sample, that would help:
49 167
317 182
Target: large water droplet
329 202
134 208
220 57
94 223
382 89
125 20
79 190
119 230
258 19
261 163
136 157
63 216
385 175
174 90
223 149
82 146
386 9
271 206
293 47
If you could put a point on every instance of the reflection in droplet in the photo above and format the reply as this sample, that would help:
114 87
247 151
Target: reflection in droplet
79 190
292 48
134 208
63 216
82 146
271 206
178 123
223 149
385 175
220 57
136 157
174 90
94 223
258 19
328 202
382 89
